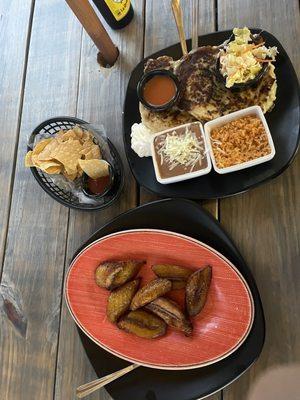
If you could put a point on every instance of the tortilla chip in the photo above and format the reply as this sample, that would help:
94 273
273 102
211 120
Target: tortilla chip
71 177
79 171
87 144
87 136
62 153
93 153
45 155
39 147
49 167
52 170
95 168
28 159
68 154
70 134
78 131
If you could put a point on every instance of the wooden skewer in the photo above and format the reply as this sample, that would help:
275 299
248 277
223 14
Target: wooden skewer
177 11
195 21
91 387
91 23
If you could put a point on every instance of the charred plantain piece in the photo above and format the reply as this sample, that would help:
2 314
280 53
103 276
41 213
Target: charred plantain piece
143 324
113 274
197 289
172 272
153 289
177 285
119 300
170 312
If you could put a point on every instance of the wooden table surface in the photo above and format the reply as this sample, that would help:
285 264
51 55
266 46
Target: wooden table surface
48 68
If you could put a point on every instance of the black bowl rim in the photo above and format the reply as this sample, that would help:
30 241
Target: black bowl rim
50 192
144 79
231 194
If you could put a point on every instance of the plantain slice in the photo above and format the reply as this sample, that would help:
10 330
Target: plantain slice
119 300
143 324
170 312
172 272
177 285
197 289
113 274
156 288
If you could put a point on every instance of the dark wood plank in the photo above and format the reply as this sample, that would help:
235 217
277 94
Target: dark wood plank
13 55
265 222
101 96
34 257
161 32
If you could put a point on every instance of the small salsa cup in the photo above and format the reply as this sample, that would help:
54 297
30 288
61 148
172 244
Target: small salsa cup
149 75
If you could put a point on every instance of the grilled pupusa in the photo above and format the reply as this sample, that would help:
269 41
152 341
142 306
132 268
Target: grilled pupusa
159 121
203 94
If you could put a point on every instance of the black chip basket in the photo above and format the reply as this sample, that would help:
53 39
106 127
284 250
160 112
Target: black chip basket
65 196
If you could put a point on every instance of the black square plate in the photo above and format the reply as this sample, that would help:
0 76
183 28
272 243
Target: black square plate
188 218
283 121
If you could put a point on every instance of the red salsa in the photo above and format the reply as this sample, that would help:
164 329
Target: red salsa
159 90
98 186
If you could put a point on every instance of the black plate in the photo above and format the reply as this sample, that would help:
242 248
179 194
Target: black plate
186 217
283 122
65 197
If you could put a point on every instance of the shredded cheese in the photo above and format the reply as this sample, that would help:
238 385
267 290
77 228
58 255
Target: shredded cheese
181 149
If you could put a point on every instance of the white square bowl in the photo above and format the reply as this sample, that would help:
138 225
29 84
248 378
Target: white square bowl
188 175
254 110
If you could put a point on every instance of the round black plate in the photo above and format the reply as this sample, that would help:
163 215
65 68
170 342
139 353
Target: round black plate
283 121
188 218
65 197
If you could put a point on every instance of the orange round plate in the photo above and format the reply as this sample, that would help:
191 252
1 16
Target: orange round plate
219 329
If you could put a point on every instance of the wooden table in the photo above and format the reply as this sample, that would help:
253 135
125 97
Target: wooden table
48 68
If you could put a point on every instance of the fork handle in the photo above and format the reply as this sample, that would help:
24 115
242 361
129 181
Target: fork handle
91 387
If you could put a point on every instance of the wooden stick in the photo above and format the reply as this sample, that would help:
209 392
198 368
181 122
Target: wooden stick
195 19
177 11
91 23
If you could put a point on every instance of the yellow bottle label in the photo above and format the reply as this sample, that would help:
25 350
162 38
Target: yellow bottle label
119 8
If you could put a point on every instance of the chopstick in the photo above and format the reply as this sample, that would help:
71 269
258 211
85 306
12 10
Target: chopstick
195 20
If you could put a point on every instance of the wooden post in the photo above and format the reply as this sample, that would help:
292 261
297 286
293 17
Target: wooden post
91 23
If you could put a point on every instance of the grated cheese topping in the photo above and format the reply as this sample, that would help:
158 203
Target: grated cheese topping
181 149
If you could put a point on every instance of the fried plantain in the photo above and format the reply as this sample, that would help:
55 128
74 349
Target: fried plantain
172 272
170 312
113 274
177 285
197 289
153 289
143 324
119 300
